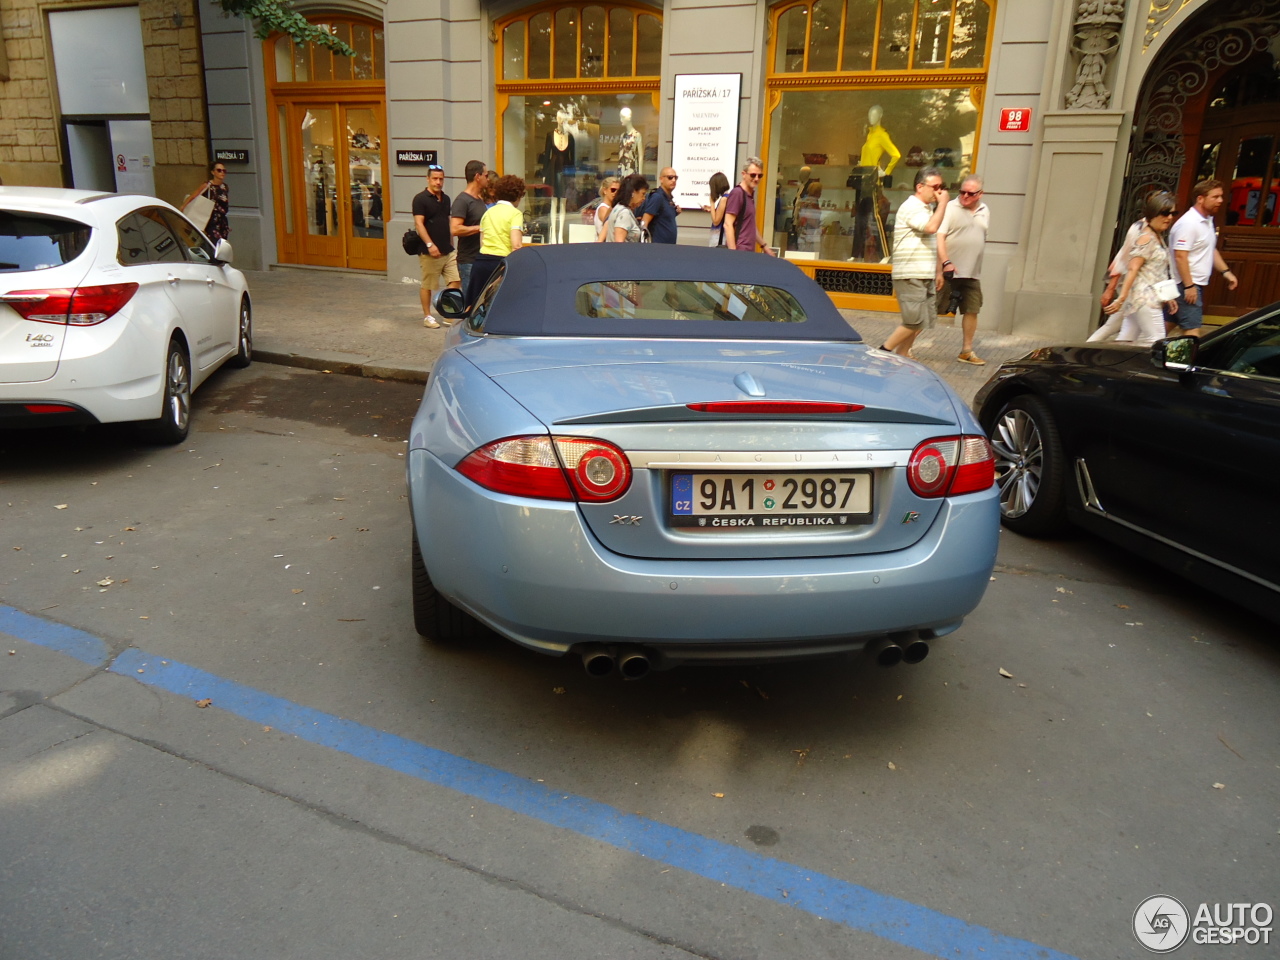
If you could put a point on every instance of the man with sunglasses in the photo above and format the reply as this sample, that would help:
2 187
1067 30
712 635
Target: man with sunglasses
440 261
916 270
961 241
740 231
464 217
659 211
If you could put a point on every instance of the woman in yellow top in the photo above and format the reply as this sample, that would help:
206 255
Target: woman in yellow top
500 233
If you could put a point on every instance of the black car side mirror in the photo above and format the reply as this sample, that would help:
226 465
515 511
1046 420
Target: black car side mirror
452 304
1177 354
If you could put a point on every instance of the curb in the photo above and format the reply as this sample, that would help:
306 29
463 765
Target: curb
344 363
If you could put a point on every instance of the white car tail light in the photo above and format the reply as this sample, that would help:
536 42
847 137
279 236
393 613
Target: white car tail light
546 468
950 466
82 306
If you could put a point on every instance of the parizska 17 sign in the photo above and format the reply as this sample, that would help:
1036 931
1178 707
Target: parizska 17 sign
704 133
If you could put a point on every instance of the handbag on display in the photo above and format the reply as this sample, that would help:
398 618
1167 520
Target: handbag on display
199 209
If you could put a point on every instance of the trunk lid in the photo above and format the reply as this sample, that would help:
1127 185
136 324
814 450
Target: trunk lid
635 395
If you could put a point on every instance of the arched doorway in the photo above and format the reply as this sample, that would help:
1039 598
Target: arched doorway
1210 109
328 129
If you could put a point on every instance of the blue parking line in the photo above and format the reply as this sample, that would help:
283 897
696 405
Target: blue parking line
823 896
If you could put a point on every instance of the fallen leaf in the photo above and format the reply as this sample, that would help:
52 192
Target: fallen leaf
1122 606
131 528
1219 786
105 582
557 689
144 618
204 703
1005 673
718 796
1063 590
891 766
339 498
296 591
59 506
1022 684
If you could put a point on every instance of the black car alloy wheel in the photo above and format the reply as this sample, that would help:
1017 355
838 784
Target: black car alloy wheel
1029 467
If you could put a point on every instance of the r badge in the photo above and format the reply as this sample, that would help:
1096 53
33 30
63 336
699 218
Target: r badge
911 517
633 521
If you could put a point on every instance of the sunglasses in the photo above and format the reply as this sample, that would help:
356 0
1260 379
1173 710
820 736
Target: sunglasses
219 169
1166 213
970 193
435 166
754 176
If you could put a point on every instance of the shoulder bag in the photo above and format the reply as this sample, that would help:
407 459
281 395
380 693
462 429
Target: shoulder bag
199 209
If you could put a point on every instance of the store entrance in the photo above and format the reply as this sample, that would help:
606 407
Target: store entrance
331 162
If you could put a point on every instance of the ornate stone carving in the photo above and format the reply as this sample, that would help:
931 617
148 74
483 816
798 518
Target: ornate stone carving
1161 12
1095 40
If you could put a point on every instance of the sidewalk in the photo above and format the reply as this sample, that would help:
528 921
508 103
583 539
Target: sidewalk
364 325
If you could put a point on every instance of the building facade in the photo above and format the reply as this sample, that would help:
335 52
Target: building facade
1071 111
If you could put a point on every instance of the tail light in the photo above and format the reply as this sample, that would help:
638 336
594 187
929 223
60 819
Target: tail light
81 306
550 468
950 466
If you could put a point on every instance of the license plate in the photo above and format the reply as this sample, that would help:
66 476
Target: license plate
770 501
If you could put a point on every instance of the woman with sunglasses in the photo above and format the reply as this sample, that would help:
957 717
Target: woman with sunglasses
623 225
215 188
1139 302
596 212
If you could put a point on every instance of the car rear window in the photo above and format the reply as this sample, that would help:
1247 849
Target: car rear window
680 300
34 241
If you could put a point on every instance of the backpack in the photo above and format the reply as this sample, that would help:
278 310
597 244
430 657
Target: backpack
412 243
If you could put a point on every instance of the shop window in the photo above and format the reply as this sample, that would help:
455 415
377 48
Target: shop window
842 154
310 63
567 123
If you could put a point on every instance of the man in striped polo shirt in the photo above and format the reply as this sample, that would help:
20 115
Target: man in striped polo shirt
916 272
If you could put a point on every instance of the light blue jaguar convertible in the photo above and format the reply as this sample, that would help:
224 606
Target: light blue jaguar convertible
651 455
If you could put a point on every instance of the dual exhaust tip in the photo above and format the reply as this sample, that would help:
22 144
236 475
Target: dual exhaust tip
888 652
632 662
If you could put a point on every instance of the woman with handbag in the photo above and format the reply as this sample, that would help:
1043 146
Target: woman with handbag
622 225
208 203
1148 289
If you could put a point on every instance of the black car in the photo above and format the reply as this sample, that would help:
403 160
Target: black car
1171 450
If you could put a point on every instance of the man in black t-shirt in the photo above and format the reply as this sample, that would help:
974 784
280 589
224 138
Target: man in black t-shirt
464 217
431 220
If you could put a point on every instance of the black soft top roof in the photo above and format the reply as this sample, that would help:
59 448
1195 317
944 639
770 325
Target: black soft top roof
537 298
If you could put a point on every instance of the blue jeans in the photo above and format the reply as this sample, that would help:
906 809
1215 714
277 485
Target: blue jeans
464 270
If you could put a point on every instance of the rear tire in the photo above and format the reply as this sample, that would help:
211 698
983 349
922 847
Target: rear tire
1030 468
244 336
434 617
175 414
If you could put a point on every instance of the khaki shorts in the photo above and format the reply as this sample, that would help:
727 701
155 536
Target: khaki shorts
968 289
915 303
437 269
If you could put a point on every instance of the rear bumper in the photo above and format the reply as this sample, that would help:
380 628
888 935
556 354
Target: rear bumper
43 413
532 571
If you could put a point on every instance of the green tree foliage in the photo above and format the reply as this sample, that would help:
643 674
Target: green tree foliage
272 15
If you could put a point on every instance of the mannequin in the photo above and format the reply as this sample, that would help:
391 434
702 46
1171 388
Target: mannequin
869 241
630 146
559 154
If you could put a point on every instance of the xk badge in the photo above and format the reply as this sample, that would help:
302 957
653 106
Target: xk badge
625 521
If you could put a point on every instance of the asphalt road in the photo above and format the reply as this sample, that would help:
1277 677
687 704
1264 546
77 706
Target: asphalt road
490 802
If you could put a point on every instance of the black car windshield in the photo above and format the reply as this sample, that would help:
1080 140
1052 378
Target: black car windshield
33 241
679 300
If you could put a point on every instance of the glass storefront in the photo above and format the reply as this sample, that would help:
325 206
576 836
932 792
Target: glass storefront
862 94
844 160
577 102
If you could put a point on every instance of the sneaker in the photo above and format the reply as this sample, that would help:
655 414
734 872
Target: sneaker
430 321
970 357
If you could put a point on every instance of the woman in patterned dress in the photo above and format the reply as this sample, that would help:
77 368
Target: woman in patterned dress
215 188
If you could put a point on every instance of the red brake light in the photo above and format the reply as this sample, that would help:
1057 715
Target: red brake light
520 466
49 408
82 307
774 407
950 466
598 470
546 468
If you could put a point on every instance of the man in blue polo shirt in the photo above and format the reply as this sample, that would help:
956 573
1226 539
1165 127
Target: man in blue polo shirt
659 212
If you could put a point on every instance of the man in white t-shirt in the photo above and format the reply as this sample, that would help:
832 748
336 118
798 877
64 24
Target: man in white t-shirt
962 238
1194 242
916 276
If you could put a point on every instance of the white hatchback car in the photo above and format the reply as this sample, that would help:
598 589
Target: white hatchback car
113 307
